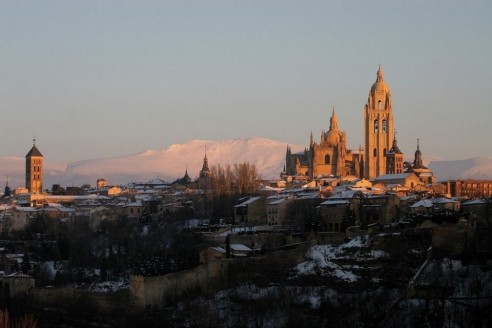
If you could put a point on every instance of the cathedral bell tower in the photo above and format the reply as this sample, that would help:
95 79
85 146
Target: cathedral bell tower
378 127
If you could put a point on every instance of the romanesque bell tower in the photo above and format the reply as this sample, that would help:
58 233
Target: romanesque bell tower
378 127
34 170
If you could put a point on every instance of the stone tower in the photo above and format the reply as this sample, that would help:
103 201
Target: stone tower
34 170
378 127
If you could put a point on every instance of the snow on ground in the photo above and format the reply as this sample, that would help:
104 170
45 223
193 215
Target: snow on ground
321 259
49 268
108 286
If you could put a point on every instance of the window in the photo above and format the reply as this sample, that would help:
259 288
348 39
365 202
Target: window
379 105
374 152
327 159
376 126
384 126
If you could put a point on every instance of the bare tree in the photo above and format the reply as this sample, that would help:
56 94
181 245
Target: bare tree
246 178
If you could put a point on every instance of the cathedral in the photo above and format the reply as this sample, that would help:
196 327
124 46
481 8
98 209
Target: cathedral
330 157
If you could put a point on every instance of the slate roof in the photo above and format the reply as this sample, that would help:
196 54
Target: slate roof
34 152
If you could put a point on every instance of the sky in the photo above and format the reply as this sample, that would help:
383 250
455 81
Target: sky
92 79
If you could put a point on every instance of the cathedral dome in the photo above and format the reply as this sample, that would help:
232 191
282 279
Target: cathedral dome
333 137
380 86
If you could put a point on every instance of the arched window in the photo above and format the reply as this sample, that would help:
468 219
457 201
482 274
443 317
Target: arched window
376 126
327 159
379 105
374 152
385 128
384 151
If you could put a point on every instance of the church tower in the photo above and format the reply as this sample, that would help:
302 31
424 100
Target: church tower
378 127
34 170
394 159
205 174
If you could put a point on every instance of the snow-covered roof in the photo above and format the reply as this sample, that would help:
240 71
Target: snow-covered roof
343 194
26 209
276 201
268 188
18 275
475 202
240 247
335 202
423 203
443 200
393 176
248 201
134 204
309 195
219 250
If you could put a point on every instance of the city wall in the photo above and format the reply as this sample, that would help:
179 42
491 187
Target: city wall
160 291
103 301
150 293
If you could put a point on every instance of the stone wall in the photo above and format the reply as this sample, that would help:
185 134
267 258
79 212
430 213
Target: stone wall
103 301
151 293
51 296
450 241
159 291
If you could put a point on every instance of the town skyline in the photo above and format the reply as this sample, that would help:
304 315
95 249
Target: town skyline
101 82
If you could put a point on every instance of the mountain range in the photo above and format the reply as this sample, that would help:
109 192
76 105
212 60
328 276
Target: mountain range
172 162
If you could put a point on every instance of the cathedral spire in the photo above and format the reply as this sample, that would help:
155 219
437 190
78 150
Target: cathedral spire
205 172
205 162
418 162
394 146
333 120
379 74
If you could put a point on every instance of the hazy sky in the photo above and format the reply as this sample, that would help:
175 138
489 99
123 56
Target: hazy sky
105 78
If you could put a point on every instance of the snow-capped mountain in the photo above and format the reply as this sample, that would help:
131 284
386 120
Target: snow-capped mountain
168 164
171 163
473 168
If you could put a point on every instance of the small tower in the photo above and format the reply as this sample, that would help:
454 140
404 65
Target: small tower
205 174
418 163
424 173
34 170
7 191
394 159
378 127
